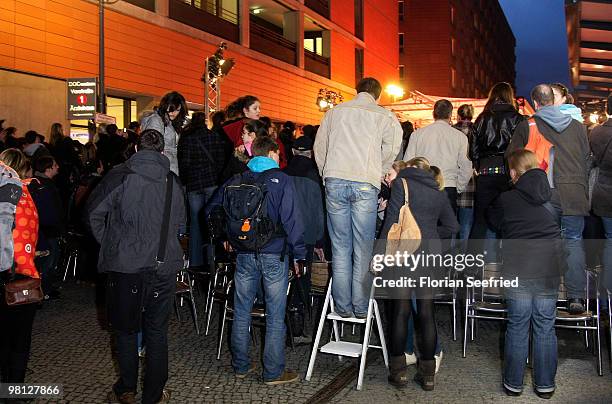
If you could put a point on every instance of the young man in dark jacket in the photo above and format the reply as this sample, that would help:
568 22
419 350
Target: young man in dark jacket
269 263
570 178
126 213
51 220
308 187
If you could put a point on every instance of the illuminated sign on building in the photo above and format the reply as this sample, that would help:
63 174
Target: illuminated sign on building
81 98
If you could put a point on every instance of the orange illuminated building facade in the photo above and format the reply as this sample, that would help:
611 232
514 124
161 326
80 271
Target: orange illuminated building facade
285 51
454 48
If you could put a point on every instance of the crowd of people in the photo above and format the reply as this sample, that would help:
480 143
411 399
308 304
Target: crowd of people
288 195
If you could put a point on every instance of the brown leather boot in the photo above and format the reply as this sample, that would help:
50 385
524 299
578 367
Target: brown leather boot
425 374
398 371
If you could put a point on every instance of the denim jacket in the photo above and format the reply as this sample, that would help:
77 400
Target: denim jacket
10 193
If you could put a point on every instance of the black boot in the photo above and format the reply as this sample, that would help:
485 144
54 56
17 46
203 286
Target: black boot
398 371
425 374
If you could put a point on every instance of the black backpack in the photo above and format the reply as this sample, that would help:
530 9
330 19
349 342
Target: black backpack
248 226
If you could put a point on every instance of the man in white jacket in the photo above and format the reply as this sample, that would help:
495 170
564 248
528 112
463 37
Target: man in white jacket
354 147
446 148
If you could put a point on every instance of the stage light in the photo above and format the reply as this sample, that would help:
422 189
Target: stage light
394 91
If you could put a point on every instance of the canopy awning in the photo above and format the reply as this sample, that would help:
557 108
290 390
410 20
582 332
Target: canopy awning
418 107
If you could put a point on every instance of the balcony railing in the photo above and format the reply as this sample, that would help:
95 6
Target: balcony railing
266 41
208 16
316 63
320 6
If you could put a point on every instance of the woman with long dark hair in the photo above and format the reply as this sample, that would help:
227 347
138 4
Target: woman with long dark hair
243 109
493 130
435 217
168 119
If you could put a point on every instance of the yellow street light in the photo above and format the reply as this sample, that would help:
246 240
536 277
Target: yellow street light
394 91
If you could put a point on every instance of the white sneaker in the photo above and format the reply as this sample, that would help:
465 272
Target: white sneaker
438 359
411 359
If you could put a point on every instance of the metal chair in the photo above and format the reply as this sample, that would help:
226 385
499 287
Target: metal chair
589 319
609 294
449 298
257 313
217 284
485 303
184 289
70 251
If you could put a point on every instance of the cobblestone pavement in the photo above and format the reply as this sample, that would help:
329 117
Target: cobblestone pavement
72 348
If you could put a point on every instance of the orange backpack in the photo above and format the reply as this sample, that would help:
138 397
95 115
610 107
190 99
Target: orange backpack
539 145
25 234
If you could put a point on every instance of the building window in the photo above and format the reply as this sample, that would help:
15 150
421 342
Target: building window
309 44
401 7
453 44
476 22
224 9
401 42
402 72
313 42
453 77
452 15
146 4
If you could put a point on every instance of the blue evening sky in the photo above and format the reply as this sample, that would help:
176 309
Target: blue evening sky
541 42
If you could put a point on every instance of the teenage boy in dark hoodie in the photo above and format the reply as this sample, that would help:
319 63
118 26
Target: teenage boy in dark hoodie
569 177
268 263
51 218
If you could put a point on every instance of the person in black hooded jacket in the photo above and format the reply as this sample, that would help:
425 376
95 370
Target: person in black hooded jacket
436 220
532 254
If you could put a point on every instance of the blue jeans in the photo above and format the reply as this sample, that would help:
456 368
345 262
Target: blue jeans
607 252
575 277
197 201
466 218
249 271
533 302
351 219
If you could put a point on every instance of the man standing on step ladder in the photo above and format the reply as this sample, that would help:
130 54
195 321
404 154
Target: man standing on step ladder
355 146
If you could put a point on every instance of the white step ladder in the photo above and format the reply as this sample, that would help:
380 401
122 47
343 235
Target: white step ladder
344 348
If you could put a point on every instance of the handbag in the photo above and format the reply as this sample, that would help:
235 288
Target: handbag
594 173
22 291
405 235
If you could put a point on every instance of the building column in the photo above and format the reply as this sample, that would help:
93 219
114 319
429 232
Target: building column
293 30
162 7
326 43
245 23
